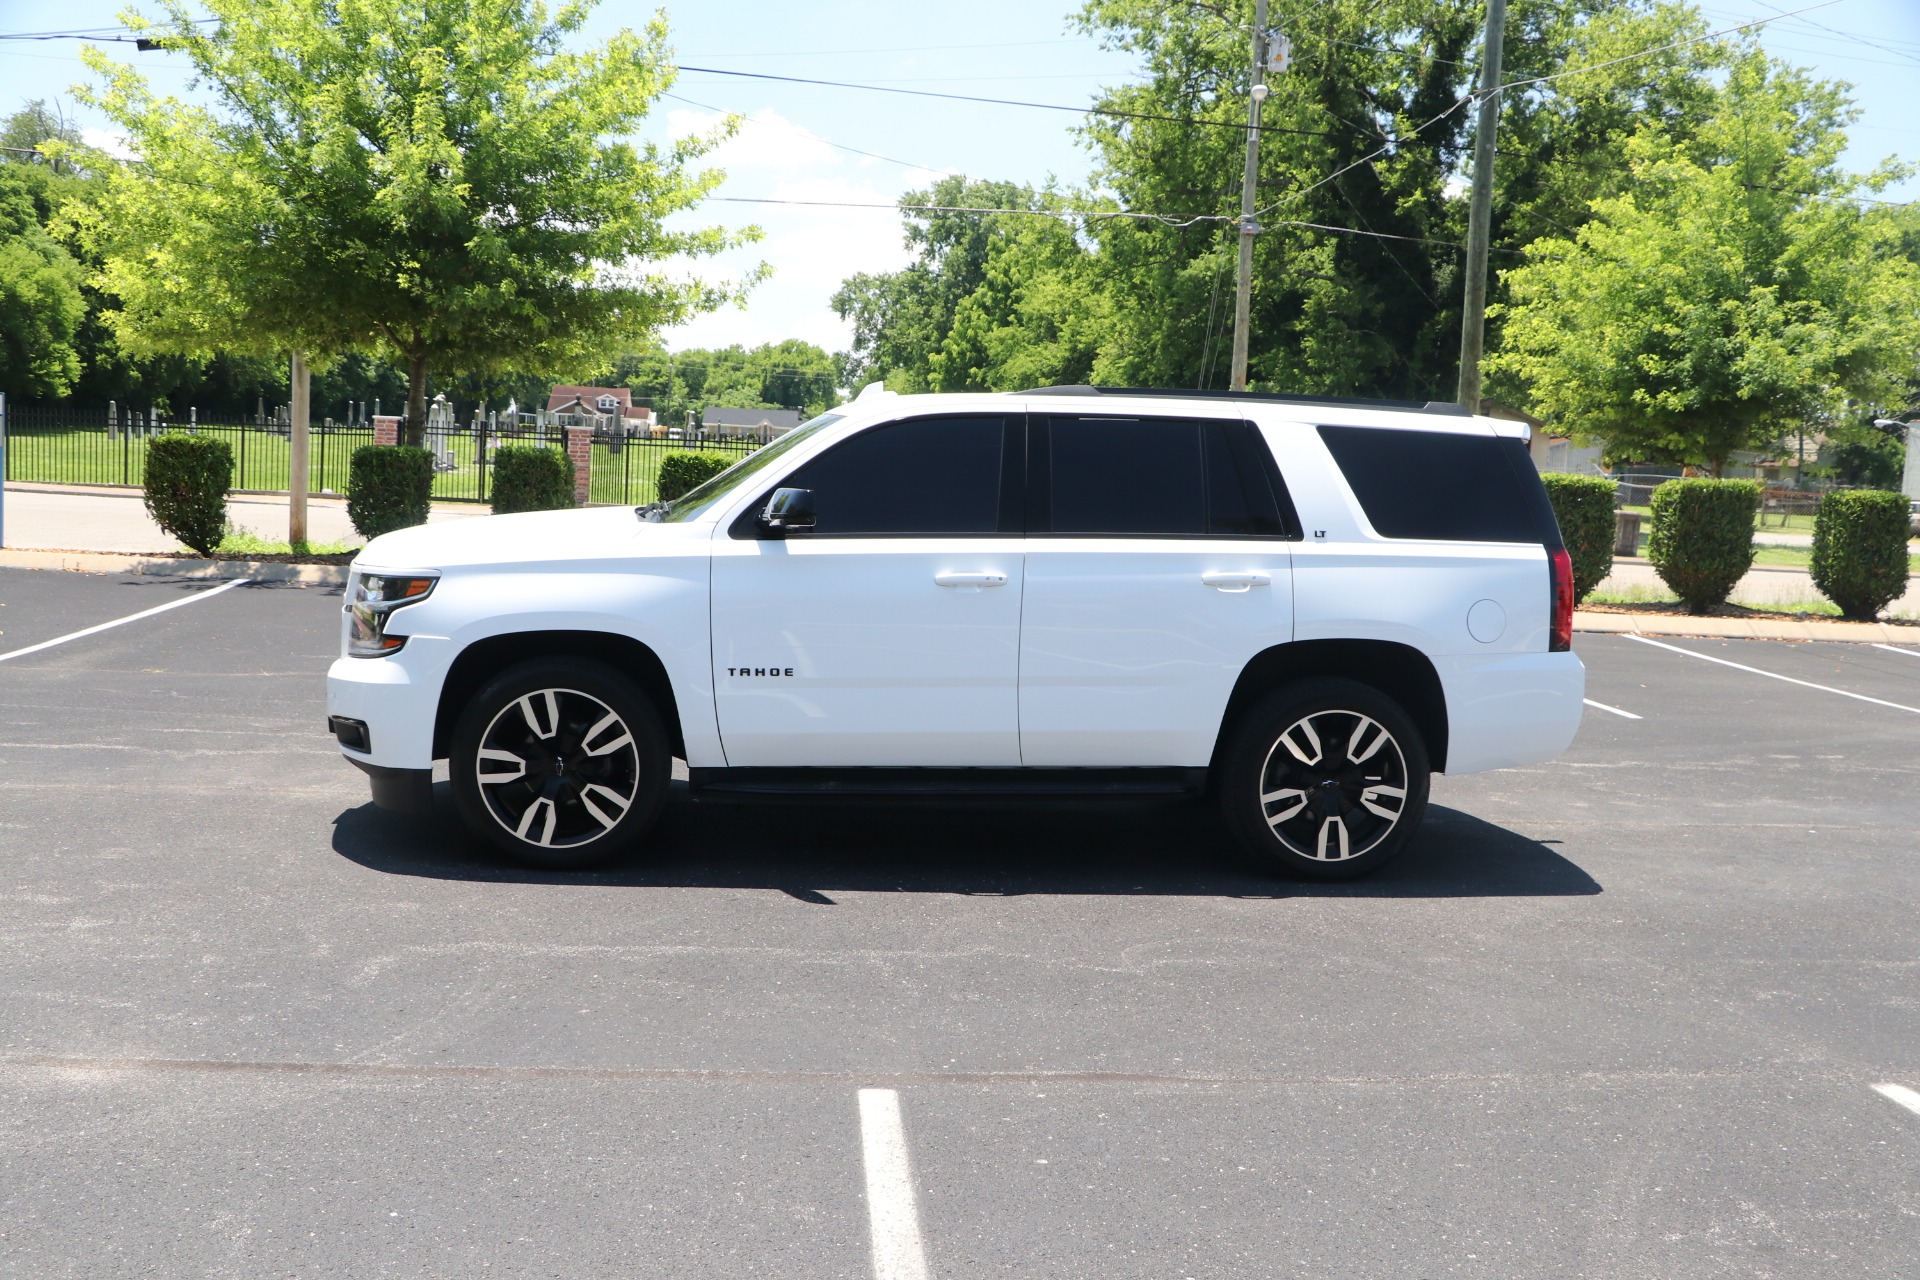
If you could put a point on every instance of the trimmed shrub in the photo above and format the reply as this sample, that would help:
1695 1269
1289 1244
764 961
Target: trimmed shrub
388 488
1860 550
680 472
1584 507
528 477
188 478
1702 539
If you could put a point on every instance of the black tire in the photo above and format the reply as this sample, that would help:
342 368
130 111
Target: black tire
592 758
1319 820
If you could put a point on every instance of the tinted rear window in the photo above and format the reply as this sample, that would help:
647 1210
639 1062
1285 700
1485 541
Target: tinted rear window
1155 477
1442 486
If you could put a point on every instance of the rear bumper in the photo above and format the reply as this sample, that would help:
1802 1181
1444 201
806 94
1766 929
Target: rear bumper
1510 709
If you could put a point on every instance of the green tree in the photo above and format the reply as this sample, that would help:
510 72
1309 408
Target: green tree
902 318
1731 290
41 308
444 183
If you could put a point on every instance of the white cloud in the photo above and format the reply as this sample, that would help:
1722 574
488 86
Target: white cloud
113 144
811 245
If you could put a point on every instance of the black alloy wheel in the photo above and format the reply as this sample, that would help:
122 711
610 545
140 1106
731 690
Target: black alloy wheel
1328 778
561 764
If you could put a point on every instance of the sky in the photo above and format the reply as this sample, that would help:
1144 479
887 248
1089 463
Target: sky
803 142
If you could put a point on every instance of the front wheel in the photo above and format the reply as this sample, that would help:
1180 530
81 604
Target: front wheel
561 764
1326 778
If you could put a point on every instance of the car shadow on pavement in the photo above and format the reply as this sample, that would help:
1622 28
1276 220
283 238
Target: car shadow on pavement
808 850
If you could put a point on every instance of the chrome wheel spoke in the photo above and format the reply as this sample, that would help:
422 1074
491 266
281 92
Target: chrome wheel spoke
548 703
1303 732
1368 737
1384 801
604 803
1294 800
537 823
619 740
504 759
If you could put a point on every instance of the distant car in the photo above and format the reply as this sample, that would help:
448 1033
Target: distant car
1913 516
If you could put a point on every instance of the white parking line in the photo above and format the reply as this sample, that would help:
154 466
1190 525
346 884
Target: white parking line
891 1212
1911 653
1771 675
1617 711
1901 1094
121 622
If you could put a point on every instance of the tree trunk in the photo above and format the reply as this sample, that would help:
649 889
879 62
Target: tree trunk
416 433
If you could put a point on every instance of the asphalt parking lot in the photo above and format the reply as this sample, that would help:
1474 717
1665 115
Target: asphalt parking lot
1617 1016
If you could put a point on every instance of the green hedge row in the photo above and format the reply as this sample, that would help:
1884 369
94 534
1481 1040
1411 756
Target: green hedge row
680 472
1584 507
186 488
1860 550
531 478
1702 539
389 487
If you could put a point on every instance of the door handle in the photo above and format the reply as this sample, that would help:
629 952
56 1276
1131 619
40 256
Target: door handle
952 578
1236 581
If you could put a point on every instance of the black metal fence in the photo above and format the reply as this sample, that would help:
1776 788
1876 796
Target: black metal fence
62 446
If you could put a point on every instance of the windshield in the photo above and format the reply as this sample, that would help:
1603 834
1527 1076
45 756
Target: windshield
698 500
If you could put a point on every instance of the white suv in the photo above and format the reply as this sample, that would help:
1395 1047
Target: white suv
1301 606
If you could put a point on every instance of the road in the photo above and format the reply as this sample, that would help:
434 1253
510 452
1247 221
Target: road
1617 1016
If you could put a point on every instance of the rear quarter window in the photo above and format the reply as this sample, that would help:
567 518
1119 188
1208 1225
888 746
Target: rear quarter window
1444 486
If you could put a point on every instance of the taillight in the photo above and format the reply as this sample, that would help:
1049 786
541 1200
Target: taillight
1560 640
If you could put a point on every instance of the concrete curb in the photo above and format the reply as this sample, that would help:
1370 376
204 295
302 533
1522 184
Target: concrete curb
1660 624
313 575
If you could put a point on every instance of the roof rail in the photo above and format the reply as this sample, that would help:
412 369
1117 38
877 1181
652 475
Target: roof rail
1261 397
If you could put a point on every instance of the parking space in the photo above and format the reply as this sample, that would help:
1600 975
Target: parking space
1620 1015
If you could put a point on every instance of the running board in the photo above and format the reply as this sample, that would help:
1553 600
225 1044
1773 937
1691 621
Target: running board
950 782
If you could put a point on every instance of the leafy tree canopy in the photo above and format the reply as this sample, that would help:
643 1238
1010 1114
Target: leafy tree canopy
442 182
41 309
1730 289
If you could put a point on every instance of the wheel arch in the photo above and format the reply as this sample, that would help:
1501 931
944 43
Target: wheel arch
485 658
1399 671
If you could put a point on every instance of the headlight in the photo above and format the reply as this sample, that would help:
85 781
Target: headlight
371 601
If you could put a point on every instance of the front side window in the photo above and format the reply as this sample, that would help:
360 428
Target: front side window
919 478
702 498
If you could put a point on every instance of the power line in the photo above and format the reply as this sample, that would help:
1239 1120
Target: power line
1847 35
1711 35
874 155
1010 102
1164 219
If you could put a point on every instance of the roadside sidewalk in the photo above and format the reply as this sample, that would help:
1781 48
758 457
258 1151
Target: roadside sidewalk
41 517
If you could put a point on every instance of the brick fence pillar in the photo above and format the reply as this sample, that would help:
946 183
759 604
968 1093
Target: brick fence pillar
386 431
580 449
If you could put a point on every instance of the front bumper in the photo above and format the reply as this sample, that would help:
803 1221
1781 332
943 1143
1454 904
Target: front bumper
396 698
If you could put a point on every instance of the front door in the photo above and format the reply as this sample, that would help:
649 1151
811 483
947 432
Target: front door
1158 565
889 636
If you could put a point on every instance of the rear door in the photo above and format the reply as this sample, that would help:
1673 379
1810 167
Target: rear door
1157 564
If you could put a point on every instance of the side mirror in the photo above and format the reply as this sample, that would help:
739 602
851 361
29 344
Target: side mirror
788 511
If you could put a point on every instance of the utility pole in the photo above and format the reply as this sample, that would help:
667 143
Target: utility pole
1473 314
297 479
1249 181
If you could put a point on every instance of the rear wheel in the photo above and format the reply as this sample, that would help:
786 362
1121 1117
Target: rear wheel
560 763
1325 778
